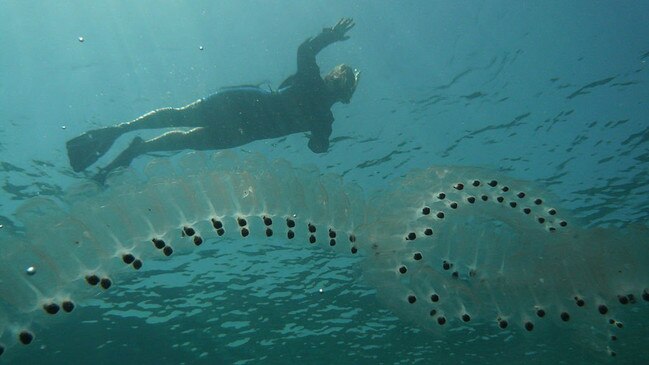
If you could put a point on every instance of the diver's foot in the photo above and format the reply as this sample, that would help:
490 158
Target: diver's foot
87 148
123 160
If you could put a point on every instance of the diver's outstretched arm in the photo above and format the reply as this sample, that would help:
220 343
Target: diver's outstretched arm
311 47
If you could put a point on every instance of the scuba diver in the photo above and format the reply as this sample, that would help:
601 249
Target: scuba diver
235 116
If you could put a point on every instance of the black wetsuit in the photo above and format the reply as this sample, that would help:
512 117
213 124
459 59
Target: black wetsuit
229 118
247 113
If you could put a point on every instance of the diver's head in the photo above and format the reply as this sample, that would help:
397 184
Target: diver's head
341 82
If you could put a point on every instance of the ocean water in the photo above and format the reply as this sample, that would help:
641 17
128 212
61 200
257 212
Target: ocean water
550 93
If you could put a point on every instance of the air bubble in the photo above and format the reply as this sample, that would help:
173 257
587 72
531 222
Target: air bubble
30 271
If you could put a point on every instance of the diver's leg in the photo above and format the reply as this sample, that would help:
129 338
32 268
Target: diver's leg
196 139
87 148
192 115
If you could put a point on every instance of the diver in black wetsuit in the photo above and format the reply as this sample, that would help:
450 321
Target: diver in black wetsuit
237 115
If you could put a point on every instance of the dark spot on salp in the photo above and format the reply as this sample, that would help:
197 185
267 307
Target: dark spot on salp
440 215
476 183
619 324
220 231
441 196
453 205
158 243
500 199
352 238
521 195
217 224
613 338
493 183
198 240
580 302
513 204
105 283
403 269
441 320
137 264
51 308
311 228
613 353
484 198
412 299
290 234
552 212
552 229
128 258
25 337
502 323
446 265
290 223
269 232
455 275
411 236
565 316
611 321
471 199
563 223
527 210
425 211
167 251
354 249
602 309
417 256
428 232
529 326
67 306
645 295
472 273
540 313
434 298
242 222
458 186
505 189
466 317
433 312
332 233
332 242
623 299
267 221
244 232
92 279
312 239
541 220
538 201
189 231
2 350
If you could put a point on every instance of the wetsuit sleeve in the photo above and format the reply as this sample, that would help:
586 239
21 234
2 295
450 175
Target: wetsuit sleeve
319 141
306 64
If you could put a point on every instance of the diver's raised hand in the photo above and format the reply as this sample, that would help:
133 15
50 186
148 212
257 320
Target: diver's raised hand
337 32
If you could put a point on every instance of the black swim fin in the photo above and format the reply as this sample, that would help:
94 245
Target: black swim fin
86 149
